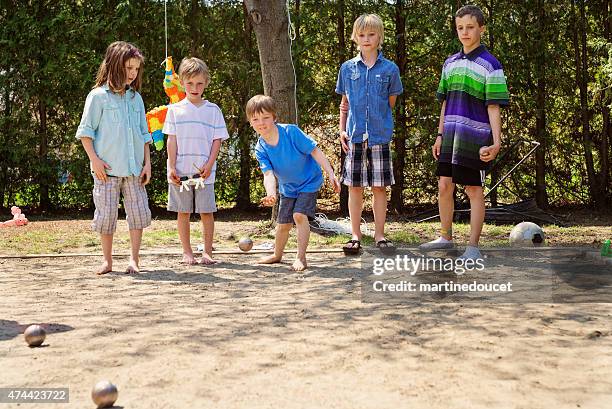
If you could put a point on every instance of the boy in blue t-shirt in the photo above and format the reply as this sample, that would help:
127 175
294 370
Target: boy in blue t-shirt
286 153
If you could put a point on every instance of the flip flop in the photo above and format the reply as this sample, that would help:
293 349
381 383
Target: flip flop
386 247
352 248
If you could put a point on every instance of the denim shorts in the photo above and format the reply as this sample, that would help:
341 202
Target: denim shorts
305 203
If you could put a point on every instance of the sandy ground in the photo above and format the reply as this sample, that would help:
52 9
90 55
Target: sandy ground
244 336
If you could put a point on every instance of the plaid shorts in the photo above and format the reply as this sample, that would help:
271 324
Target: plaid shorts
371 166
106 199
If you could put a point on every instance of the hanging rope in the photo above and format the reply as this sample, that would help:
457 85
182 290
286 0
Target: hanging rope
166 26
292 35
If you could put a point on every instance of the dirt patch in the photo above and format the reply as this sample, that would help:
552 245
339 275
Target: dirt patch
243 336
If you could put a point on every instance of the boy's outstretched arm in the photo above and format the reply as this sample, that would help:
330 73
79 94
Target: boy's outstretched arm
343 116
318 156
488 153
172 148
435 149
270 186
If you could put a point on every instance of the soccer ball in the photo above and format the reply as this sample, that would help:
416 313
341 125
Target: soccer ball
527 234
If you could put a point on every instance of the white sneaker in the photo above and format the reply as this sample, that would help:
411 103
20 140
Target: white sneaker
438 244
471 253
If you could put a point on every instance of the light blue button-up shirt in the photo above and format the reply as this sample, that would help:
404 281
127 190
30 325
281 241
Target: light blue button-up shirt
368 91
118 126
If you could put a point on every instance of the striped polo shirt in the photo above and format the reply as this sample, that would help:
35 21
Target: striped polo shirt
469 83
195 127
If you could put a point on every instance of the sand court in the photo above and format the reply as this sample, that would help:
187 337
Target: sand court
244 336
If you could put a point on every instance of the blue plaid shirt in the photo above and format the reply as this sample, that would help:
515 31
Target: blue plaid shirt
368 91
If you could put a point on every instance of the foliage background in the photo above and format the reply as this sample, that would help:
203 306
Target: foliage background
556 55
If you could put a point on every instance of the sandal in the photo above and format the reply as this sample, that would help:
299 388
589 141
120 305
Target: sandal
386 247
352 247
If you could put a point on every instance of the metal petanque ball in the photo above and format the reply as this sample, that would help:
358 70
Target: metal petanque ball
34 335
104 394
245 244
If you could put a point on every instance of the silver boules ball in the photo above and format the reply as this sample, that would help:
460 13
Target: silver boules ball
34 335
104 394
245 244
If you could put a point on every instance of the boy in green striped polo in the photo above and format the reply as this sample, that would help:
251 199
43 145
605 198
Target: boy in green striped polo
472 89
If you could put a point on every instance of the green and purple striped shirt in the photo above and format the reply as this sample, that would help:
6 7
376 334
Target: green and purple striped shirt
469 83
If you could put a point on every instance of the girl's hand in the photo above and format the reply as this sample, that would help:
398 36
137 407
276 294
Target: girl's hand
99 167
269 200
145 175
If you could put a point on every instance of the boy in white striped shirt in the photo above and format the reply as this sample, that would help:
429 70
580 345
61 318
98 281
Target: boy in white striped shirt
195 129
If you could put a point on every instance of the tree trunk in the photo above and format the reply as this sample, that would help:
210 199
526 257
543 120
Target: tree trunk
580 58
271 25
399 161
340 28
194 28
540 154
606 136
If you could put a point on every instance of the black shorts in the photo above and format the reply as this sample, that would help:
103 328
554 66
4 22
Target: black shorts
462 175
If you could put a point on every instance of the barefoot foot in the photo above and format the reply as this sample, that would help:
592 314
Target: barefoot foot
299 265
132 267
207 259
270 259
188 259
106 267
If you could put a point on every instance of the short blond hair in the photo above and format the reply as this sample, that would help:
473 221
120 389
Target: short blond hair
194 66
367 22
260 104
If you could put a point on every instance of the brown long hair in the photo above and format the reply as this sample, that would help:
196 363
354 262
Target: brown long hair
112 69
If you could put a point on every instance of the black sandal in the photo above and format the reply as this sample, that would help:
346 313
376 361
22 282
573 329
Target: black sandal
352 248
386 247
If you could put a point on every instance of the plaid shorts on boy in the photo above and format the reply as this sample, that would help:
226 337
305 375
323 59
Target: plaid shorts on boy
368 166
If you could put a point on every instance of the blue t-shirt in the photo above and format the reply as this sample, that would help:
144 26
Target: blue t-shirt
291 161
